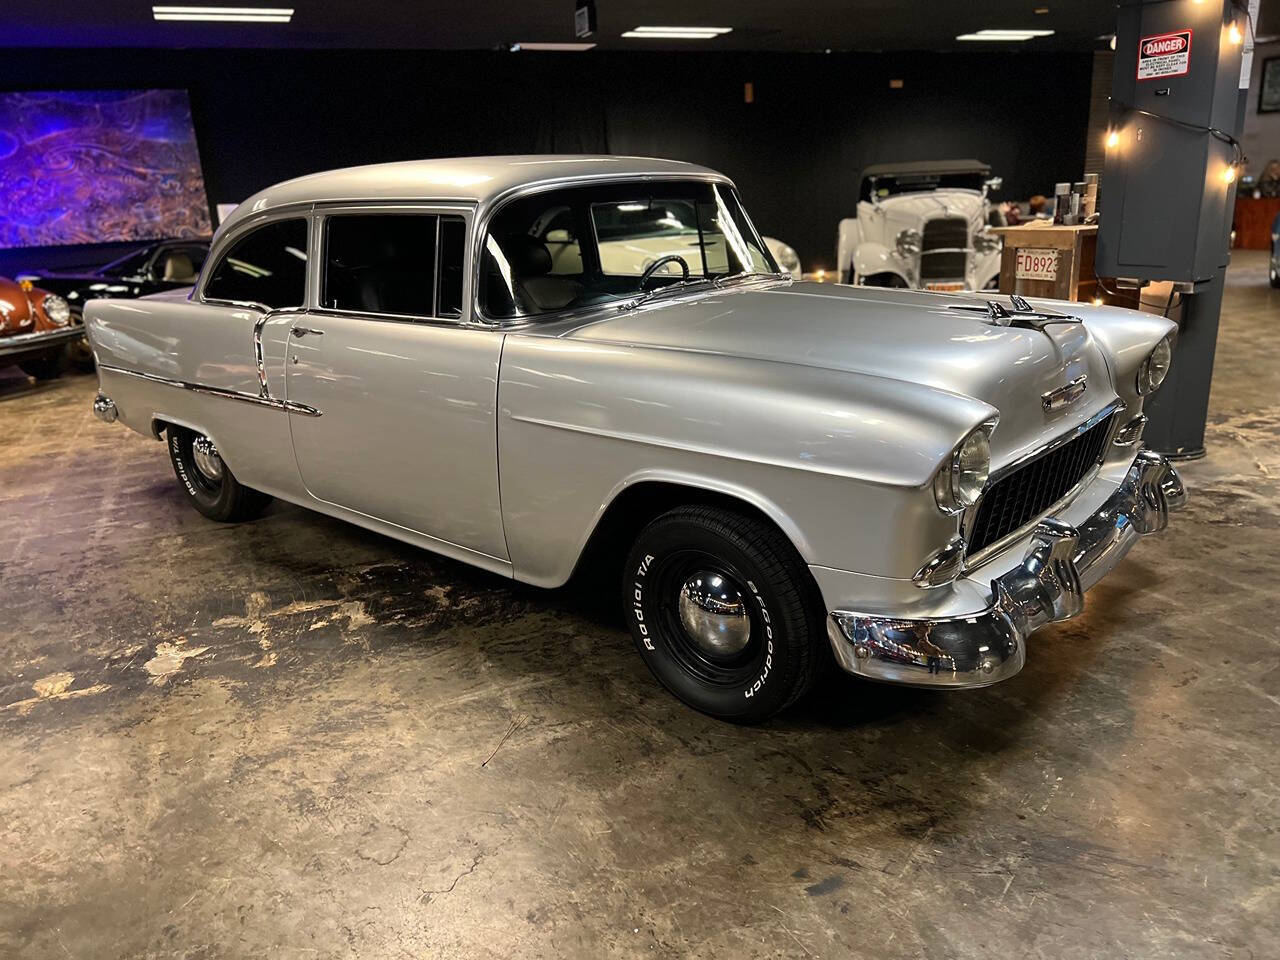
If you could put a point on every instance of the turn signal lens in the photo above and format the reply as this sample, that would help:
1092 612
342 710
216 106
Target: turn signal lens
1155 368
961 479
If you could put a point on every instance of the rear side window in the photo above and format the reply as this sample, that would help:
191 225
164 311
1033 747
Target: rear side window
267 265
394 264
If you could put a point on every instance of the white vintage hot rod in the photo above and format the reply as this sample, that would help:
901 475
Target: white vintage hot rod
496 360
922 225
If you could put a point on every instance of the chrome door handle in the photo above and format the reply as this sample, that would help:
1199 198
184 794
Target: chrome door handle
303 331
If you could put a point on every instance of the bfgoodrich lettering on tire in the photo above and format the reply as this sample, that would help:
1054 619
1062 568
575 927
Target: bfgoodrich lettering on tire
724 612
206 480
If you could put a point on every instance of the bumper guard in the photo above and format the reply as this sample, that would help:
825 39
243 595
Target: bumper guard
1060 564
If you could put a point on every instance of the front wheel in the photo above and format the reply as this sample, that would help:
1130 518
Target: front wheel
1274 276
724 612
209 484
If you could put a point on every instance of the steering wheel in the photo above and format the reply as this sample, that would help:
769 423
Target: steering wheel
661 261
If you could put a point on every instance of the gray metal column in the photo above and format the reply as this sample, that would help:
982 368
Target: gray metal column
1167 204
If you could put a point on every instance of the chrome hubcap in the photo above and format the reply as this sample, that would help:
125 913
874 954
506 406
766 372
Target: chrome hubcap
713 614
206 458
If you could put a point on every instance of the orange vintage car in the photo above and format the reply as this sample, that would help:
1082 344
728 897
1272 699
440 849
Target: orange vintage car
36 329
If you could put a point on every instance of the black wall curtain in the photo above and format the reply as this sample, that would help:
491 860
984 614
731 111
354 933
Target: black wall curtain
266 115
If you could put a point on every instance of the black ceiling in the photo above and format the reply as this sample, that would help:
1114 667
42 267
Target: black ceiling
757 24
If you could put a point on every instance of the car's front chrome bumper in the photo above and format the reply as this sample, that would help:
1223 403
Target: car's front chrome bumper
1061 563
20 345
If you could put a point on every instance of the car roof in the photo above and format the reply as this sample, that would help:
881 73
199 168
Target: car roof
925 167
478 180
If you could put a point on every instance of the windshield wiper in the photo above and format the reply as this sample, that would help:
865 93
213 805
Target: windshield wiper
717 282
660 291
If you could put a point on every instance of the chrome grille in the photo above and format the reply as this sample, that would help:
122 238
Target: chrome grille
943 243
1025 494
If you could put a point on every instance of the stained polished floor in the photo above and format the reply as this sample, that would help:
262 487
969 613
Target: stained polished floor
292 738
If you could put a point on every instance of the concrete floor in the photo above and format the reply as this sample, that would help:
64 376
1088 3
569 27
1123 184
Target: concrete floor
292 738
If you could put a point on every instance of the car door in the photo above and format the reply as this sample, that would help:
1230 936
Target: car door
406 389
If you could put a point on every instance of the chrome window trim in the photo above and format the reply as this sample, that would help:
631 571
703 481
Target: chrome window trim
496 204
427 207
219 246
224 392
971 513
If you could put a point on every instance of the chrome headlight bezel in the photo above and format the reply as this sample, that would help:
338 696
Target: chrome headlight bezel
963 476
907 242
56 309
1155 368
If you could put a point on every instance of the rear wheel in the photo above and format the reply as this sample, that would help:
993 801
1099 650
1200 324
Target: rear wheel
47 366
724 612
1274 276
209 485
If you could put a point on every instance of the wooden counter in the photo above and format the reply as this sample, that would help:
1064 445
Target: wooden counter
1253 222
1072 278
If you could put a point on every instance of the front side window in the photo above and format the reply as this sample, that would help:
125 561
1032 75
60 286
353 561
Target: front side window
581 246
395 264
267 266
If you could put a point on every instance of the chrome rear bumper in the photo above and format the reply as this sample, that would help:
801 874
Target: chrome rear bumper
1060 564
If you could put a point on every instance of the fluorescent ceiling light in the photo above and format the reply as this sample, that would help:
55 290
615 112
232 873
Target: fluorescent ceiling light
998 36
551 46
684 29
677 33
225 14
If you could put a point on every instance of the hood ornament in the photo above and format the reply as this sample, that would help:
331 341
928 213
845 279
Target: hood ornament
1022 315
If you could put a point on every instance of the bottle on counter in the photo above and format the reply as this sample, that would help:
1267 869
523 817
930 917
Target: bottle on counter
1061 203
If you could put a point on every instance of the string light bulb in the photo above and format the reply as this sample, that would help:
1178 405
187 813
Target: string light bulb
1113 139
1234 34
1229 174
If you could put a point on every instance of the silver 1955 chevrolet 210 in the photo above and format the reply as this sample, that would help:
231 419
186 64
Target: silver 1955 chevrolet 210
544 364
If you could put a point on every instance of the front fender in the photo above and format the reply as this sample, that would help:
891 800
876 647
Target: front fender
842 462
870 258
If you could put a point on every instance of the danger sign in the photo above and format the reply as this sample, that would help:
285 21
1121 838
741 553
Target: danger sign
1164 55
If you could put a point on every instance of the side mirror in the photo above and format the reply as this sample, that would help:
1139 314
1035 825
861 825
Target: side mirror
993 184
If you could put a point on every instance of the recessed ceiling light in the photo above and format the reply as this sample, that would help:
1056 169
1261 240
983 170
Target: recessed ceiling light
1001 36
566 47
677 33
225 14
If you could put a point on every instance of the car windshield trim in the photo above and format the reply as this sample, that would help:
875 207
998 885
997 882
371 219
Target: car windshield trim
604 240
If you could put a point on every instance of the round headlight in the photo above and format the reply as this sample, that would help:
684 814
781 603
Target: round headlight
57 309
908 243
1155 368
986 242
961 479
788 260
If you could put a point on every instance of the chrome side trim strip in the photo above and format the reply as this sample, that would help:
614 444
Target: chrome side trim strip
226 394
258 358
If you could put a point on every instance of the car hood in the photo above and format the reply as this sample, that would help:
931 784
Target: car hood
929 339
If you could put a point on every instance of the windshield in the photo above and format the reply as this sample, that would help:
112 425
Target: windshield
885 185
130 265
586 245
